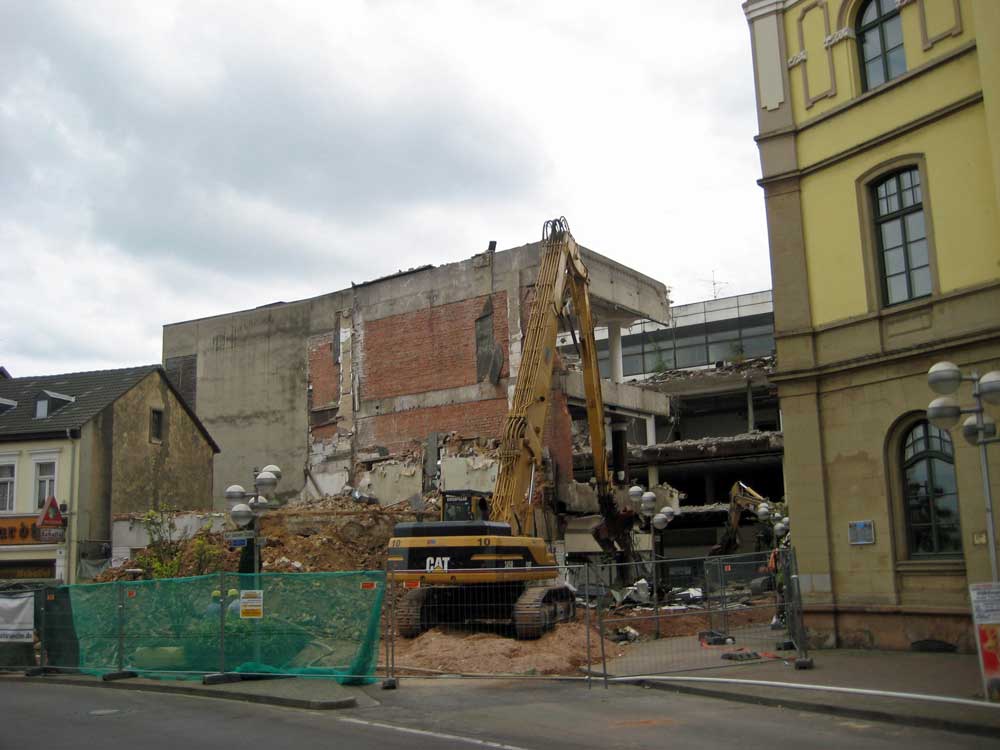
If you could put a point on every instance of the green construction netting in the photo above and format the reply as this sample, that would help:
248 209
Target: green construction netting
313 624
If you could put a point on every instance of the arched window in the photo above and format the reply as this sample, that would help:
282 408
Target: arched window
902 237
930 492
880 42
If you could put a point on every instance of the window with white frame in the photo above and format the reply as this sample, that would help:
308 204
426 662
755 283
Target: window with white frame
45 481
7 484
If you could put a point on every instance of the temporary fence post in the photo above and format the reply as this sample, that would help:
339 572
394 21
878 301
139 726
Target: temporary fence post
390 626
725 603
120 662
656 590
586 619
604 656
42 656
222 621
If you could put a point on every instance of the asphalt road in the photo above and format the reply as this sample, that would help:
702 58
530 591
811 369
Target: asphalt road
445 714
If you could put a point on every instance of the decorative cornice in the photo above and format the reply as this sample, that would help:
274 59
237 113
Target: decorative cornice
757 8
868 95
837 36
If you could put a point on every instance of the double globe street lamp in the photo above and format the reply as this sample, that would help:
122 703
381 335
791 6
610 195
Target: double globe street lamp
979 428
249 507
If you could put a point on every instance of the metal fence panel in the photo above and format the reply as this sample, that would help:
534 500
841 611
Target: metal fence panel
727 610
313 624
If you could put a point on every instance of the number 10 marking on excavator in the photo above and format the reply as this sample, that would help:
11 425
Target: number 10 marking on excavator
437 564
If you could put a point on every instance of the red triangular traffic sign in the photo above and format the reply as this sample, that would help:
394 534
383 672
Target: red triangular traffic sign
50 515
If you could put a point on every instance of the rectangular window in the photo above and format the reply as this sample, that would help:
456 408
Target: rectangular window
156 426
45 481
901 237
7 488
692 356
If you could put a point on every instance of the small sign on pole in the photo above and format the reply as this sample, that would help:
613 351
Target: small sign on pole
235 536
986 618
251 604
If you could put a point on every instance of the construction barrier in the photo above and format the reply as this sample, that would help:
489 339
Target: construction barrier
302 624
701 613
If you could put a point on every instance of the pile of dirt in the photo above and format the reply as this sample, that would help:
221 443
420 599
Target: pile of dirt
329 534
692 621
561 651
335 534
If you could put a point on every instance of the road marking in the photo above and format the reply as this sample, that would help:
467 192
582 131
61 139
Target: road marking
104 712
427 733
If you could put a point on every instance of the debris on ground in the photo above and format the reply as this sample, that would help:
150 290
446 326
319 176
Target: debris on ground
741 655
325 534
624 633
561 651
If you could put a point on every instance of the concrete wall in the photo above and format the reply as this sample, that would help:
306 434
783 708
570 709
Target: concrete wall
312 385
174 472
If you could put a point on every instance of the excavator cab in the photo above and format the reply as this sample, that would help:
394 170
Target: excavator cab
465 505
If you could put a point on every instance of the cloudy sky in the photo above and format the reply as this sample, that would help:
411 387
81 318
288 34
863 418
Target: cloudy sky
162 161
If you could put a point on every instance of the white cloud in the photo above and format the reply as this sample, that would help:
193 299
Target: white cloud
160 157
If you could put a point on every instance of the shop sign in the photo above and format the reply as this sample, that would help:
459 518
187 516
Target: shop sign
22 530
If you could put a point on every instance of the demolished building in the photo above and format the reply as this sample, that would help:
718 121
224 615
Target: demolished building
724 421
364 386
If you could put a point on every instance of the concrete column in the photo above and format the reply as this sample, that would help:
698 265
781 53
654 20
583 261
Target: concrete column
615 352
709 489
619 452
750 417
654 471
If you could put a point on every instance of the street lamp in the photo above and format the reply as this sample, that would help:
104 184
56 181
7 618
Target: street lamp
979 429
246 514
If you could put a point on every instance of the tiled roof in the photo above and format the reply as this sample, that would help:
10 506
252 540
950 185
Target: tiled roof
91 391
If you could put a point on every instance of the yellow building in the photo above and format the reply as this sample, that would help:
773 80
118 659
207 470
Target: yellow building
880 153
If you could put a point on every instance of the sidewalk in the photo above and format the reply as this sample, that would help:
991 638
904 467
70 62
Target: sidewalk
954 676
293 692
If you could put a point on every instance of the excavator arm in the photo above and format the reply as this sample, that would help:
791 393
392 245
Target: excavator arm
562 277
741 497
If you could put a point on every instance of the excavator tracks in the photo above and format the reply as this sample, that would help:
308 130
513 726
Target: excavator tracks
539 608
411 615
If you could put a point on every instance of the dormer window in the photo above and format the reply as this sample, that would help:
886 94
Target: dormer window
49 402
6 405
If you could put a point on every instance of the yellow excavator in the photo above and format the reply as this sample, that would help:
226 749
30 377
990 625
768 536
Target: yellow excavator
482 563
742 497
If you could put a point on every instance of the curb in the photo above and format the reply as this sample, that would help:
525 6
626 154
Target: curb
201 692
926 722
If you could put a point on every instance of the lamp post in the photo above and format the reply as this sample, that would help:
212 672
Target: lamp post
247 515
979 429
657 523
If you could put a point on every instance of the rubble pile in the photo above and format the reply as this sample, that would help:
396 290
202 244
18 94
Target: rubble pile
561 651
326 534
338 533
754 365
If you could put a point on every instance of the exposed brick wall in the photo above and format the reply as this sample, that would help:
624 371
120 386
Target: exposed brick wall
430 349
324 372
397 431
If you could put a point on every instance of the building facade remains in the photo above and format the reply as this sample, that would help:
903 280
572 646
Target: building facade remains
363 387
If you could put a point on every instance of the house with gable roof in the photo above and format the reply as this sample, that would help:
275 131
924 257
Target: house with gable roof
101 443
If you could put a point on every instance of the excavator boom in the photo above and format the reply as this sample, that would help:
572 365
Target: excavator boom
453 566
